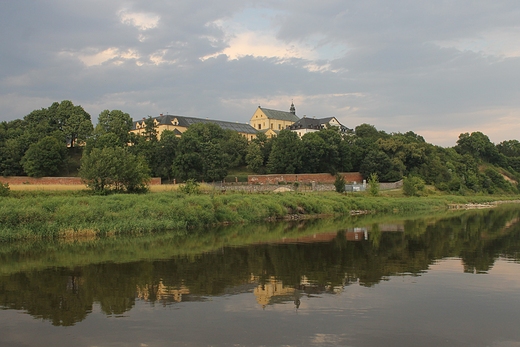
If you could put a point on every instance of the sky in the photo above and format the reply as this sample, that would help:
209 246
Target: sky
437 68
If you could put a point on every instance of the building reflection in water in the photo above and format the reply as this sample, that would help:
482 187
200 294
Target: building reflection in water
162 293
274 292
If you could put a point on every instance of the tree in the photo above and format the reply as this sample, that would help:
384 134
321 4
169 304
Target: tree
255 158
200 154
165 155
77 129
286 153
339 183
314 153
235 146
44 158
478 146
509 148
65 117
413 186
376 162
258 152
116 122
373 184
114 169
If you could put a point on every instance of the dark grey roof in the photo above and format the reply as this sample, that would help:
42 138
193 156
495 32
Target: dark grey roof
187 121
314 123
280 115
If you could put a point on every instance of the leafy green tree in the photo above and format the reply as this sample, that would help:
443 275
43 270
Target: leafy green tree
478 146
200 154
339 183
509 148
332 161
258 152
116 122
65 117
413 186
11 154
78 128
376 162
165 155
100 141
286 153
255 158
44 158
114 169
314 152
367 131
373 184
235 146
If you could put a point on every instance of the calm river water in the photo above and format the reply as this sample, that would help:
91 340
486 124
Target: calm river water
446 280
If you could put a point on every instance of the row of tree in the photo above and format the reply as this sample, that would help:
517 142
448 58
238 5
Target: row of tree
45 142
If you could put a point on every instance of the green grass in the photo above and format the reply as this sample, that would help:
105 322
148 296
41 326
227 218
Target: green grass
41 214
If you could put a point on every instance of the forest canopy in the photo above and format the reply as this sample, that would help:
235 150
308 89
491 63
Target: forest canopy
58 140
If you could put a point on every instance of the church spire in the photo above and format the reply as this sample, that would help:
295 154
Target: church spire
292 109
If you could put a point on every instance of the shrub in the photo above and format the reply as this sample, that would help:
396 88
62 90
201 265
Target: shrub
339 183
413 186
4 189
190 187
373 184
114 169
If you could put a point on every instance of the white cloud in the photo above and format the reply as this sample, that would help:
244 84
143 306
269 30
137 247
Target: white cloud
142 21
114 54
253 35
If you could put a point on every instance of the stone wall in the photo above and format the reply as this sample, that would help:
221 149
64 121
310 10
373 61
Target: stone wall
303 178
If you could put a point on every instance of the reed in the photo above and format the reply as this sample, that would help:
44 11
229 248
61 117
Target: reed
43 214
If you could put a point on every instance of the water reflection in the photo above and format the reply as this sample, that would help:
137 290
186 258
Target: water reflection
285 270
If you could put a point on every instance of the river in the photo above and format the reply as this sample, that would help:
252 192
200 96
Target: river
443 280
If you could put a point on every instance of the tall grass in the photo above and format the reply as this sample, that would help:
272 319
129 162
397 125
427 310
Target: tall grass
40 214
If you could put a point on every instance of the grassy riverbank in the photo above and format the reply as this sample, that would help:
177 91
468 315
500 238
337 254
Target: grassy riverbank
40 215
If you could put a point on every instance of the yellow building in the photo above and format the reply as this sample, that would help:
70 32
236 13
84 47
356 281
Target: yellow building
271 122
180 124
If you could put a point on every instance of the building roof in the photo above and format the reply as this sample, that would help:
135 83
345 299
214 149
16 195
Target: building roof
185 122
279 115
314 123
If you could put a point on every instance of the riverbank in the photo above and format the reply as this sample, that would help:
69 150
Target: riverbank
40 215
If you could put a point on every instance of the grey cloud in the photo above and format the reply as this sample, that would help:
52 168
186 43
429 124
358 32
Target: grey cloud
393 74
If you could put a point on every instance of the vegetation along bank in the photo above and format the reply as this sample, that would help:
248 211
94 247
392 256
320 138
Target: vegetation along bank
39 215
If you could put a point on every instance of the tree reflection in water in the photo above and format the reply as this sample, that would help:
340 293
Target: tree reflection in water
278 271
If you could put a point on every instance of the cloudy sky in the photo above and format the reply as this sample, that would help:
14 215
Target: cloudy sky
438 68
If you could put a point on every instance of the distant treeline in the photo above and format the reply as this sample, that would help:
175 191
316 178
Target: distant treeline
60 140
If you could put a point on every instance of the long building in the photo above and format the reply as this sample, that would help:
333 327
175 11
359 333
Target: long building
179 124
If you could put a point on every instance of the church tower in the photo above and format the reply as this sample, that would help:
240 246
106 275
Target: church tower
292 109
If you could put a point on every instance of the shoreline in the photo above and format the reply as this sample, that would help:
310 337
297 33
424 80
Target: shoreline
43 215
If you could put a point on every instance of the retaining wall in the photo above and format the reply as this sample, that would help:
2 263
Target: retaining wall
303 178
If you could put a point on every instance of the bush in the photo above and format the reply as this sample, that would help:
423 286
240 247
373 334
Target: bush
339 183
190 187
114 169
373 184
413 186
4 189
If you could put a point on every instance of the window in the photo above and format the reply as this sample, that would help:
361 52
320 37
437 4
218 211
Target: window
279 126
259 126
272 125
